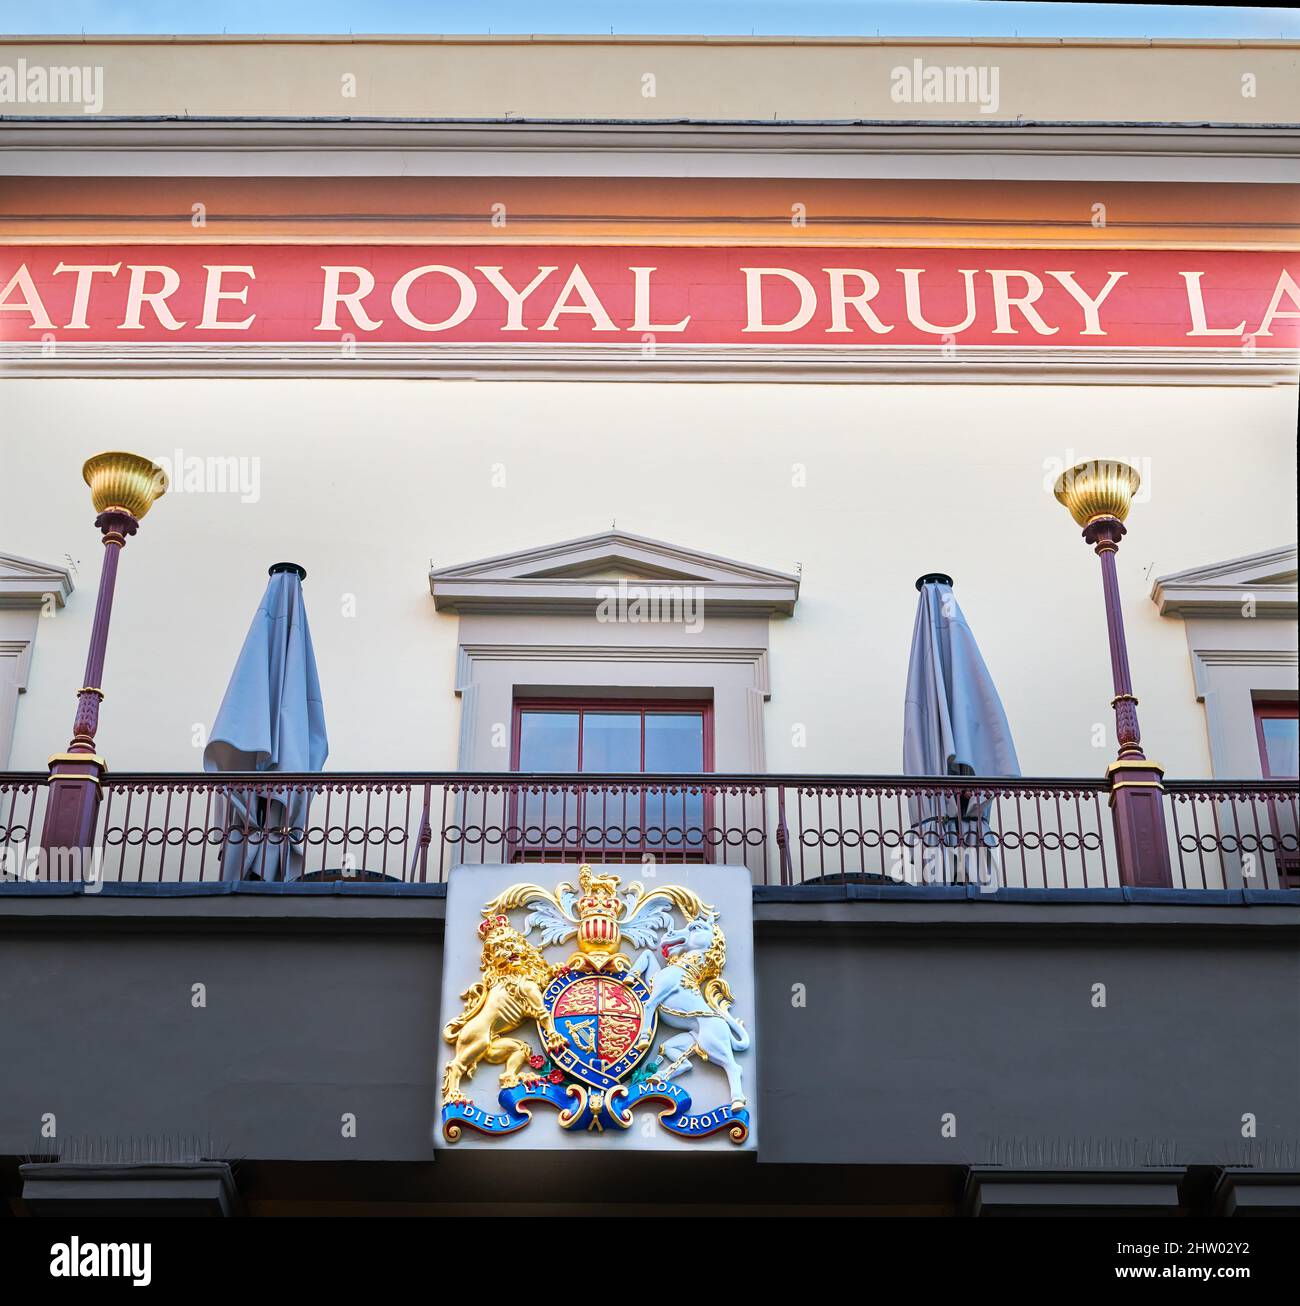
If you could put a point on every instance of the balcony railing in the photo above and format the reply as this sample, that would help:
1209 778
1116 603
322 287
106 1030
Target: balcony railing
787 829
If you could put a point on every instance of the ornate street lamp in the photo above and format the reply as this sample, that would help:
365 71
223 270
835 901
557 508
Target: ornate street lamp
1098 495
123 487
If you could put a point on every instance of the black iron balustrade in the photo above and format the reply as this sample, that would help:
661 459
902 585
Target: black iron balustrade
788 829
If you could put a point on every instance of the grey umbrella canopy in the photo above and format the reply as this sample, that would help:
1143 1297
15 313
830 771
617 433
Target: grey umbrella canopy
271 719
953 721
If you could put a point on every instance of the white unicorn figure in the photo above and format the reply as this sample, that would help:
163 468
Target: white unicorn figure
689 994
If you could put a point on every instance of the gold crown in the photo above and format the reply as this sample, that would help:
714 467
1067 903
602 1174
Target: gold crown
599 894
492 926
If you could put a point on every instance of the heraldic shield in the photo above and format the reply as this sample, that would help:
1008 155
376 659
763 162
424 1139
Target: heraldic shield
601 1018
613 1032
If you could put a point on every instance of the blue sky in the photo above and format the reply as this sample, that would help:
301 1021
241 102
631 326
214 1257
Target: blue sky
765 17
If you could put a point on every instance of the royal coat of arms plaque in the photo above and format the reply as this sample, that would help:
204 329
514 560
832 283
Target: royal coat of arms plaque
585 1006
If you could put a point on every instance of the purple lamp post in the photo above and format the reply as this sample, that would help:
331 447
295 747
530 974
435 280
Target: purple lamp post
123 487
1098 495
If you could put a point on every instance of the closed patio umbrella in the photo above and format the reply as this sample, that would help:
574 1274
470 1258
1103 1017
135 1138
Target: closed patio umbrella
271 719
953 721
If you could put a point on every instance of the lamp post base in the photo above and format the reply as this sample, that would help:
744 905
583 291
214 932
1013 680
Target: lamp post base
71 814
1137 800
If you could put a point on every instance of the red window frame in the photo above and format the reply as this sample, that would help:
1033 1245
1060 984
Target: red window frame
655 706
1288 865
1278 710
569 850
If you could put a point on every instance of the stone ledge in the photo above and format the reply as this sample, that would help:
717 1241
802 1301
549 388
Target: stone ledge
70 1189
421 909
1241 1192
992 1192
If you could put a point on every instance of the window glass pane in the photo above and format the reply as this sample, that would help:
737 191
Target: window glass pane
1282 745
548 741
674 741
611 741
618 819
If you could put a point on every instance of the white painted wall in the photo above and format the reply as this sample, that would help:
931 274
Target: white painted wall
365 481
761 79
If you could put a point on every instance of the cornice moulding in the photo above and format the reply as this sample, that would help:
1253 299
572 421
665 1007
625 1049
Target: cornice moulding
1267 579
558 579
814 364
24 582
1210 152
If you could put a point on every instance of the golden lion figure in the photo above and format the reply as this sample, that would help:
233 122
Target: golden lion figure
514 973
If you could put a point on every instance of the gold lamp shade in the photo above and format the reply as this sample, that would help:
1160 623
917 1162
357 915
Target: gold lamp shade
1100 488
124 481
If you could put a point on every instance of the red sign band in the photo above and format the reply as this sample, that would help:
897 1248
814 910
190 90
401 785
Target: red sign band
565 295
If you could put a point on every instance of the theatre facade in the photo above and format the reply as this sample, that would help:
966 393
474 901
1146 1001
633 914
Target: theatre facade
608 402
